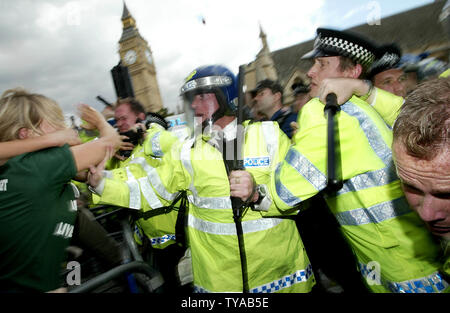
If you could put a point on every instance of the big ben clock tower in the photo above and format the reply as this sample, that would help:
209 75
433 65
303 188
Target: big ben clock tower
135 53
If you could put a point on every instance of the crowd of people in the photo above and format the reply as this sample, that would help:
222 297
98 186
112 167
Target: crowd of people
271 224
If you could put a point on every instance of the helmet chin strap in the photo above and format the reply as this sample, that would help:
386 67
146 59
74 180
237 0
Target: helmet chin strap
214 118
213 135
219 113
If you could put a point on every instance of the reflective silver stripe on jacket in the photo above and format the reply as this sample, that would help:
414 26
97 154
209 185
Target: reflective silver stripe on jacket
202 202
230 228
368 180
149 193
107 174
299 276
135 193
370 130
154 179
156 146
374 214
434 283
305 168
282 191
271 139
375 178
210 203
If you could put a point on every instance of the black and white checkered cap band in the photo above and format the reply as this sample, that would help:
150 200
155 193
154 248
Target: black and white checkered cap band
354 51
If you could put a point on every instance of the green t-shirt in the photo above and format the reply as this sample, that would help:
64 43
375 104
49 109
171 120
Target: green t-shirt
37 214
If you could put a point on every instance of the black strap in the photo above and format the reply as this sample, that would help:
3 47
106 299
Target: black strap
180 229
162 210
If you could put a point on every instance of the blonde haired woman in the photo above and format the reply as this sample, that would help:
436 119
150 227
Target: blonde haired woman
37 211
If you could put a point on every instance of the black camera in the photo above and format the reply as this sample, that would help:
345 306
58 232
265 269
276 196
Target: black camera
135 137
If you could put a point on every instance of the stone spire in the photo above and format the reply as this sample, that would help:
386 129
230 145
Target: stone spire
264 65
127 19
263 37
129 28
125 12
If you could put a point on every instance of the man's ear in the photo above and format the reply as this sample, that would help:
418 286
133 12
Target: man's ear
278 96
354 71
24 133
141 116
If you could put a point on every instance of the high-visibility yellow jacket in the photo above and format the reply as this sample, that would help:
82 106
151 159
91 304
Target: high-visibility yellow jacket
445 74
445 246
87 135
387 105
396 253
276 258
135 174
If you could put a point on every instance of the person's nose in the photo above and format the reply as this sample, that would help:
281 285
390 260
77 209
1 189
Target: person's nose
430 210
400 89
195 103
312 71
397 87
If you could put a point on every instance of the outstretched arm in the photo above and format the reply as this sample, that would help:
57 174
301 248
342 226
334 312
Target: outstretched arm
93 152
9 149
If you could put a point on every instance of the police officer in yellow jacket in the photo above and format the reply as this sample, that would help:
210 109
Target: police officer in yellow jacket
135 174
155 232
275 257
395 251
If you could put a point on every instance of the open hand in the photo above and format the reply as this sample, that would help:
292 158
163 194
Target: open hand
93 119
344 88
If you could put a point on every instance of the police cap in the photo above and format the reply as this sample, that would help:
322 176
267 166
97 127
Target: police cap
387 57
267 83
330 42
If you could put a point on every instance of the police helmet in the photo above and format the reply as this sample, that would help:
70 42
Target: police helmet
215 79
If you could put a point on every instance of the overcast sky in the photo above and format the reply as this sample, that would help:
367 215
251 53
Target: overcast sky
66 49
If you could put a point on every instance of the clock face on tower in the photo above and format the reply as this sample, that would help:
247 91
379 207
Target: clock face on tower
130 57
148 56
